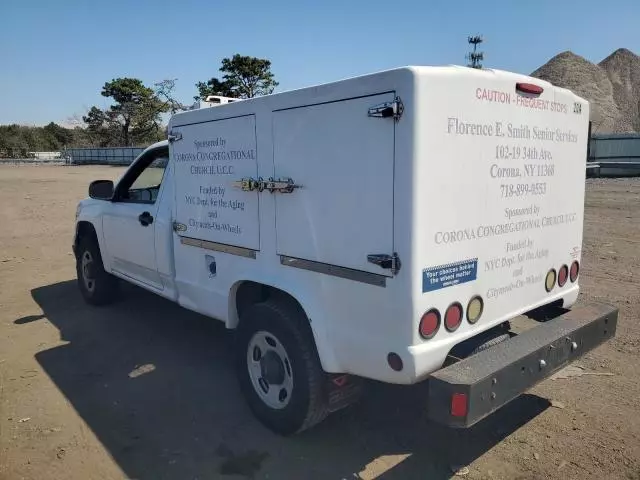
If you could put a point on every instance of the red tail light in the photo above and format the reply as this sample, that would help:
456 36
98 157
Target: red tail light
575 271
429 324
563 273
453 316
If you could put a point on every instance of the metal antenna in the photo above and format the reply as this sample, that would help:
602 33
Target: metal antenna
475 57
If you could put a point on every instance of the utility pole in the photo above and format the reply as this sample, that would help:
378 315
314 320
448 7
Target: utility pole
474 57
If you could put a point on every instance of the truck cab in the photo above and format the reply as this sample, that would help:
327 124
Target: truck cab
384 227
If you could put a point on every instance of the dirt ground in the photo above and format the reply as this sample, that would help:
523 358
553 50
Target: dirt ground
143 389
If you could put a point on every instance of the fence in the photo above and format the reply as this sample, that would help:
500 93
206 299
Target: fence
102 156
23 153
44 155
33 161
614 155
22 156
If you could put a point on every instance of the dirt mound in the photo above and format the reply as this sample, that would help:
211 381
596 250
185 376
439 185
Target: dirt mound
588 80
623 69
612 87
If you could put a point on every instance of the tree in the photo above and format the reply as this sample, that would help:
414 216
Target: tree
164 91
213 87
134 117
57 136
16 141
101 130
243 77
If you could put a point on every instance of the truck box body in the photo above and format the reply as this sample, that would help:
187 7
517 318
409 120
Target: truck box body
472 178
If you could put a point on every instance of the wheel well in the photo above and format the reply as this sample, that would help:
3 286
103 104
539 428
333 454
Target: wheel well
248 293
84 229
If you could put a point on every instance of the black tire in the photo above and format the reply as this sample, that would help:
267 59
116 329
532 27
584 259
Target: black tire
491 342
307 403
97 286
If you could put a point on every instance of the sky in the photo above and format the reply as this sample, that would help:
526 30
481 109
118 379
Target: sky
55 56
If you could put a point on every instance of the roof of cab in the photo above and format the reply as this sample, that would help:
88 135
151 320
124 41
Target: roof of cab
161 143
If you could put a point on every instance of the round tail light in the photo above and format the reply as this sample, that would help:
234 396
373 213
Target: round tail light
563 274
429 324
550 280
453 317
575 270
474 309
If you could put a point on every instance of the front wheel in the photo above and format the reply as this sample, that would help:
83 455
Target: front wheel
278 368
97 286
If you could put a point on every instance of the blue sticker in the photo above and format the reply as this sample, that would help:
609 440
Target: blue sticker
442 276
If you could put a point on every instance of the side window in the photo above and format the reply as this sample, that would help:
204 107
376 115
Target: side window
144 186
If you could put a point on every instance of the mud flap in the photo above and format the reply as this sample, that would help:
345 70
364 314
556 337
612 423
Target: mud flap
342 390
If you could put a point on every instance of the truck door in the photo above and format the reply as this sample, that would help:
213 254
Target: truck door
343 159
128 224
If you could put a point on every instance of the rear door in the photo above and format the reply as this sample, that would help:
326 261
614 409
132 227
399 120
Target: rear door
343 160
509 154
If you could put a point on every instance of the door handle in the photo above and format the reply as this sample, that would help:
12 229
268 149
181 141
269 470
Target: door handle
145 219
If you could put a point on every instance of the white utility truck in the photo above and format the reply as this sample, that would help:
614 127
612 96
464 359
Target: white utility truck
385 227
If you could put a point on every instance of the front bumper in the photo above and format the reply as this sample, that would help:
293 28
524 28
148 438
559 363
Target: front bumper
466 392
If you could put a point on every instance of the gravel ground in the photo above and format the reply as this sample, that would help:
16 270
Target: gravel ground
143 389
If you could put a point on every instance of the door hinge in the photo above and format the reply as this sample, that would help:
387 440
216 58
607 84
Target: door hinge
174 137
179 227
388 262
280 185
248 184
393 109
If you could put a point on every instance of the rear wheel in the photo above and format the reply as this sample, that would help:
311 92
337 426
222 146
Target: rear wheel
278 367
96 285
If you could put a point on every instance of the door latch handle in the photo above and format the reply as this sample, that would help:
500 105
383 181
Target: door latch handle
145 219
280 185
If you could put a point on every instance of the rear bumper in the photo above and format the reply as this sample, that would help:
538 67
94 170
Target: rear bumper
488 380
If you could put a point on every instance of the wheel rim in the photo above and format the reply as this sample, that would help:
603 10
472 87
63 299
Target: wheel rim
270 369
87 271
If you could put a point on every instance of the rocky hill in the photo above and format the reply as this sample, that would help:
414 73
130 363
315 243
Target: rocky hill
612 87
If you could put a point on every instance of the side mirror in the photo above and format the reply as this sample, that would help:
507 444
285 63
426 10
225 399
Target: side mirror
101 189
